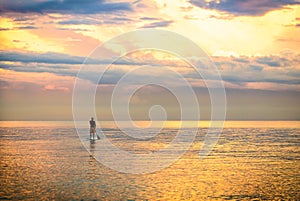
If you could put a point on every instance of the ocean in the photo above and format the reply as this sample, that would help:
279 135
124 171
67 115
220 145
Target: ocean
252 160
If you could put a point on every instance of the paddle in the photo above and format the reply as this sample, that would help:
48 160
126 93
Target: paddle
98 137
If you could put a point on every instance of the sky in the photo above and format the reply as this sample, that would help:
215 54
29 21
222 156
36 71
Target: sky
255 45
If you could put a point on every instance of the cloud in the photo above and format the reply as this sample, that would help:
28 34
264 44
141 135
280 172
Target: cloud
58 70
50 58
27 27
5 29
159 24
73 29
63 6
29 83
245 7
65 65
149 18
270 61
278 69
23 19
59 58
51 87
222 16
19 28
239 79
79 22
256 67
236 71
279 61
125 19
90 21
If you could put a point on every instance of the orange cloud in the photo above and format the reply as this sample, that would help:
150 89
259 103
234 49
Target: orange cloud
35 81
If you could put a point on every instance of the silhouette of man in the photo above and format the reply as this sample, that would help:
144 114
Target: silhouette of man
92 128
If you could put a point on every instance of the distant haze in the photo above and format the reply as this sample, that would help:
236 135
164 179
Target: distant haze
241 105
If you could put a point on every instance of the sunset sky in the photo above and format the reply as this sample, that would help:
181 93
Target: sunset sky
254 43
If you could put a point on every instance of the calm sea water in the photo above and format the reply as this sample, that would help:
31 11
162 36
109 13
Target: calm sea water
251 161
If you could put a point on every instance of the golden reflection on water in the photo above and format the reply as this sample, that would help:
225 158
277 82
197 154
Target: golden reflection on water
41 161
166 124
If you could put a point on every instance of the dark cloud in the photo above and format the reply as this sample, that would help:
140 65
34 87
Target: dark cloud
5 29
111 77
149 18
51 58
62 70
122 19
245 7
282 60
78 22
27 27
137 1
74 29
238 79
280 69
241 60
294 73
222 17
59 58
63 6
271 61
19 28
256 67
23 19
159 24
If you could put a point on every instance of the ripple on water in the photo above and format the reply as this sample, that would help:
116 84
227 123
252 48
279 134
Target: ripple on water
49 163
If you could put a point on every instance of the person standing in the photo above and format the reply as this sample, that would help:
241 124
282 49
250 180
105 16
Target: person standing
92 128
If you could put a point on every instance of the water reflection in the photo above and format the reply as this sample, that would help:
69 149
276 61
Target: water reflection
49 163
